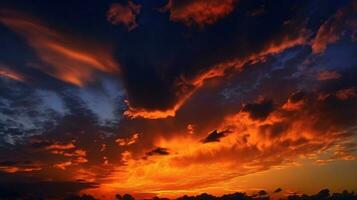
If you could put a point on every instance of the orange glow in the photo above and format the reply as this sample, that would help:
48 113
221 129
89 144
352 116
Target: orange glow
62 57
249 147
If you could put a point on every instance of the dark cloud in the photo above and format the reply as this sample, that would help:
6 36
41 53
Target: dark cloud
278 190
297 96
14 163
259 110
274 130
214 136
160 151
40 144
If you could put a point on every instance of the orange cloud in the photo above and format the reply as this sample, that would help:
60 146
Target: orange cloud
15 166
127 141
190 129
68 150
199 12
328 75
61 146
151 114
77 157
248 146
295 102
11 169
342 94
346 93
63 57
8 73
325 35
63 165
126 15
331 31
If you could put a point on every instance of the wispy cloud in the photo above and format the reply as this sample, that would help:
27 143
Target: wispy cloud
62 57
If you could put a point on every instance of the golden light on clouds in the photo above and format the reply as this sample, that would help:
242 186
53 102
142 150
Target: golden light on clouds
245 144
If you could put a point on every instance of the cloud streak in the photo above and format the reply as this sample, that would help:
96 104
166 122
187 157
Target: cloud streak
62 57
5 71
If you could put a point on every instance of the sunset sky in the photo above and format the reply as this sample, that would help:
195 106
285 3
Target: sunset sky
173 97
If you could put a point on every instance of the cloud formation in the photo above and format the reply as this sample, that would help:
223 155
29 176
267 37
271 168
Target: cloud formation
127 141
214 136
261 137
199 12
328 75
11 74
125 15
259 110
19 166
165 101
61 56
222 102
158 151
333 28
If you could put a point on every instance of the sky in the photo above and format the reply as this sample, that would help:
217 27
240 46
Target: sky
173 97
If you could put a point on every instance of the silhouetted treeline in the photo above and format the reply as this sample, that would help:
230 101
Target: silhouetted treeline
325 195
261 195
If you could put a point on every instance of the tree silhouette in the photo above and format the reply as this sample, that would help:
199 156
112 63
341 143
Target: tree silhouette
83 197
124 197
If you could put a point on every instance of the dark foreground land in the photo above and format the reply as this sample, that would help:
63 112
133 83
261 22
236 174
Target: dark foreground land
324 194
